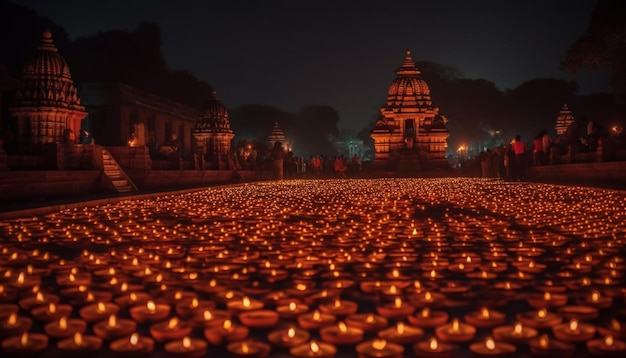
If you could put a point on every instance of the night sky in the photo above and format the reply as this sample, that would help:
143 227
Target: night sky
343 53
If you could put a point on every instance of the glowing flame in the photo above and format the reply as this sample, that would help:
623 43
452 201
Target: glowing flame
379 344
63 323
24 339
20 278
172 323
517 330
426 312
395 273
595 296
78 339
547 296
428 296
244 348
342 327
151 306
544 342
39 297
186 342
292 306
573 325
608 341
484 313
134 339
615 325
398 302
101 308
490 344
433 344
542 313
316 315
337 303
112 322
400 328
315 348
12 320
52 308
291 332
194 302
207 315
228 324
245 301
455 325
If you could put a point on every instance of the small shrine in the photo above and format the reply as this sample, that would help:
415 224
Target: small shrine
410 134
213 134
46 104
277 135
563 120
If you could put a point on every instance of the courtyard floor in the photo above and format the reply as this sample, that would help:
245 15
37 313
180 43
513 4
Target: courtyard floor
411 266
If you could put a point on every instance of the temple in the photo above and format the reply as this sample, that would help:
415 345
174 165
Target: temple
410 134
563 120
213 134
277 135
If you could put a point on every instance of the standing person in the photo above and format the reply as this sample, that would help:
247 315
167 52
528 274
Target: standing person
519 148
277 155
538 150
546 142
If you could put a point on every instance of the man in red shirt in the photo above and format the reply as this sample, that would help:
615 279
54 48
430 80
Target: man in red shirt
519 148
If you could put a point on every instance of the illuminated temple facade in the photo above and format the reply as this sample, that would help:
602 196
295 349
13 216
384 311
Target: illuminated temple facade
213 134
410 134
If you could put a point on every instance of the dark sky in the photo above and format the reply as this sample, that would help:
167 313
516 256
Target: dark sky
342 53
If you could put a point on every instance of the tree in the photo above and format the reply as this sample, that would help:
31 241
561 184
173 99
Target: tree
602 45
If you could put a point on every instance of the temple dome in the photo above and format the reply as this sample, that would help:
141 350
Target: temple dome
214 117
408 90
46 80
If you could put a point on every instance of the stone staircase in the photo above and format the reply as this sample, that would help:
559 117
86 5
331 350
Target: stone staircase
113 172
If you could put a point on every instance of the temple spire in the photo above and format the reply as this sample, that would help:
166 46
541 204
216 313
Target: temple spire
408 66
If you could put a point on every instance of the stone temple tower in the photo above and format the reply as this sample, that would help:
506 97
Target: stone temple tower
46 106
213 134
410 134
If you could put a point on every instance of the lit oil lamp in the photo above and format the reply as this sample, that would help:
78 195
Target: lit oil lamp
51 312
606 347
150 312
288 337
244 304
433 348
248 349
169 330
133 299
259 318
227 332
114 327
209 318
379 348
291 310
26 344
574 331
401 333
341 334
98 311
187 308
581 313
547 300
14 325
38 299
79 345
314 349
516 334
543 346
132 347
315 320
426 318
485 318
539 319
186 347
368 322
456 332
64 327
427 299
397 309
595 299
339 307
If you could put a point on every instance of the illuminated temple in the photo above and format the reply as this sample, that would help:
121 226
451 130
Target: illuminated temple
213 134
410 134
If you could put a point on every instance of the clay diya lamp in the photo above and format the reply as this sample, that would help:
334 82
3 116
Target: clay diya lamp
485 318
170 330
74 279
26 344
288 337
245 304
209 318
64 327
114 327
225 333
51 312
314 349
132 347
339 308
581 313
315 320
427 299
491 348
186 309
397 309
79 345
291 310
550 286
341 334
574 331
426 318
401 333
38 299
508 289
150 312
98 311
606 347
257 288
598 301
379 348
132 299
517 334
456 332
259 318
613 328
14 325
211 288
248 349
368 322
24 282
186 347
539 319
324 295
545 347
433 348
547 300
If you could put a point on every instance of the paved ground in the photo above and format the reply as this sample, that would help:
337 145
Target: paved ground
465 243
